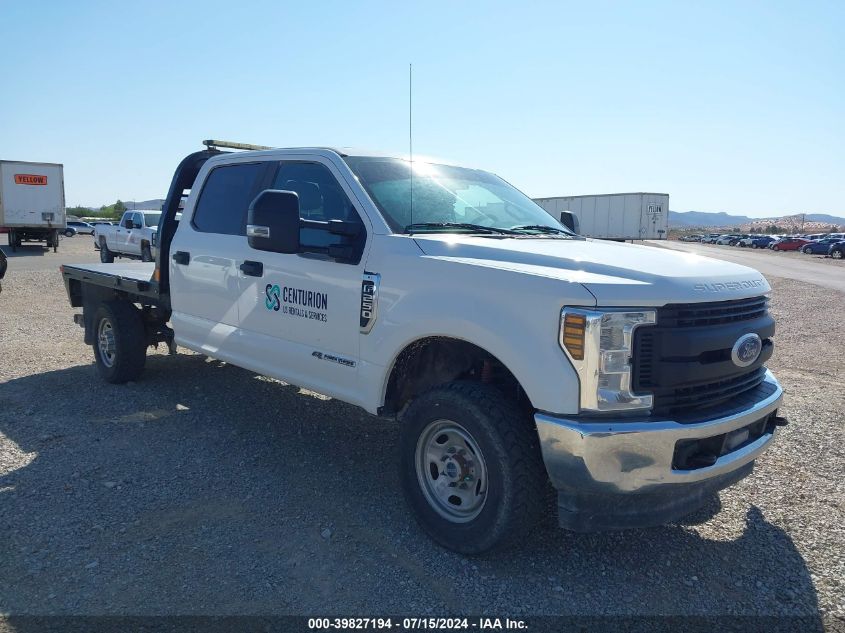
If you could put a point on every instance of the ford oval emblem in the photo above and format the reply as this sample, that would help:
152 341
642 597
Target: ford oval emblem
746 350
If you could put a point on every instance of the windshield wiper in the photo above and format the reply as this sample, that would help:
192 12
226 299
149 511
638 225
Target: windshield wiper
541 228
476 228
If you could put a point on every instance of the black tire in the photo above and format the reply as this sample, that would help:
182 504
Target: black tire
806 250
125 359
106 256
13 241
836 253
508 443
146 253
54 241
69 232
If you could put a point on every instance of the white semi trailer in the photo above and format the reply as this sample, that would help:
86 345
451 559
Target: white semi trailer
32 202
615 216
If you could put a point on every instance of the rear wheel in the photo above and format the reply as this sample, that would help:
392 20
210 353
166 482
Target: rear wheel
146 254
470 466
836 254
69 233
806 250
120 348
106 256
13 240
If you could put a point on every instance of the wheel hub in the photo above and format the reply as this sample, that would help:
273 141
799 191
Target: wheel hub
105 342
451 471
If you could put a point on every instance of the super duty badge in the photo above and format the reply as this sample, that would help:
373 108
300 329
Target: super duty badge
369 301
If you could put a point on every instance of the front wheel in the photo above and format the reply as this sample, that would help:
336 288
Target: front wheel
836 254
470 466
120 348
106 256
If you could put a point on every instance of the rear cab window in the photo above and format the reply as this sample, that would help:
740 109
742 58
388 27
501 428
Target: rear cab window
226 195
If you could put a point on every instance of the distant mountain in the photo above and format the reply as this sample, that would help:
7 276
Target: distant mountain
824 217
156 203
703 218
696 219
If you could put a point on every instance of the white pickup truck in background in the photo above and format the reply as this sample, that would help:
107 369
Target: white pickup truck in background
133 237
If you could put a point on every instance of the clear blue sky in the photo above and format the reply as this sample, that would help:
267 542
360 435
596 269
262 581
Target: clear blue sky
735 106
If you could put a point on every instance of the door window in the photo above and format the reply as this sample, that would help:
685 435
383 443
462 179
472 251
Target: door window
225 198
320 198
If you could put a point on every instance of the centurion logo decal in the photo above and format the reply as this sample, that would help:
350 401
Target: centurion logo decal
30 179
296 302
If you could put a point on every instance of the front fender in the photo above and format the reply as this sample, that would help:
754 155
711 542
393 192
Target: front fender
514 316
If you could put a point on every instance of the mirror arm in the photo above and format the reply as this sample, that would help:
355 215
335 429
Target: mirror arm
335 227
339 252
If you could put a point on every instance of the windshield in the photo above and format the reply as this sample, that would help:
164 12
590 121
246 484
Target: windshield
151 219
445 196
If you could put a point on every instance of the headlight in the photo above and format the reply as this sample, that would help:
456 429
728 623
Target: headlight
599 344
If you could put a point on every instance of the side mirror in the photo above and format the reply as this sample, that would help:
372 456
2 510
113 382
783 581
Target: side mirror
273 222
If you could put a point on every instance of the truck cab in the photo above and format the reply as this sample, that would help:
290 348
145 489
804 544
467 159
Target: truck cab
512 352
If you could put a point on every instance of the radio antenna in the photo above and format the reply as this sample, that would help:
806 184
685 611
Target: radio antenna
411 132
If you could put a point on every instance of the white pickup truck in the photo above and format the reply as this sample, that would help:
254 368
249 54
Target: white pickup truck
133 237
512 352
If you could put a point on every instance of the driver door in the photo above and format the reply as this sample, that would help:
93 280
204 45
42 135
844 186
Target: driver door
300 318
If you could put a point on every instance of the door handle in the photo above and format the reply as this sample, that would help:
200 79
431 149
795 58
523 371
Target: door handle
181 257
252 269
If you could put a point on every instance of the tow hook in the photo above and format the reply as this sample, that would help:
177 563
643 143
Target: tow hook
778 420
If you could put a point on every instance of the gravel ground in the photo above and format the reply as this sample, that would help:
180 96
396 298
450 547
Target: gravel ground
205 489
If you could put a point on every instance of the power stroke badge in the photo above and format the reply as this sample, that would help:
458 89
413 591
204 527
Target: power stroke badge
296 302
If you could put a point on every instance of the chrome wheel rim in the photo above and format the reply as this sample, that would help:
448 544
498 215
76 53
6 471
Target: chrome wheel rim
451 471
105 342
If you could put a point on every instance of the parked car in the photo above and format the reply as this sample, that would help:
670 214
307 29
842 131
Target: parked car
691 238
755 241
819 247
836 251
726 240
711 238
83 228
789 244
738 239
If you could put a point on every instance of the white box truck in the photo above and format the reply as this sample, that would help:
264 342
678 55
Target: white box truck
615 216
32 202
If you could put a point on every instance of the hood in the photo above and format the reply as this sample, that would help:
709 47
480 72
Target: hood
617 274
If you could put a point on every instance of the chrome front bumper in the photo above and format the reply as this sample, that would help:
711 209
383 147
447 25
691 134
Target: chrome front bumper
595 463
